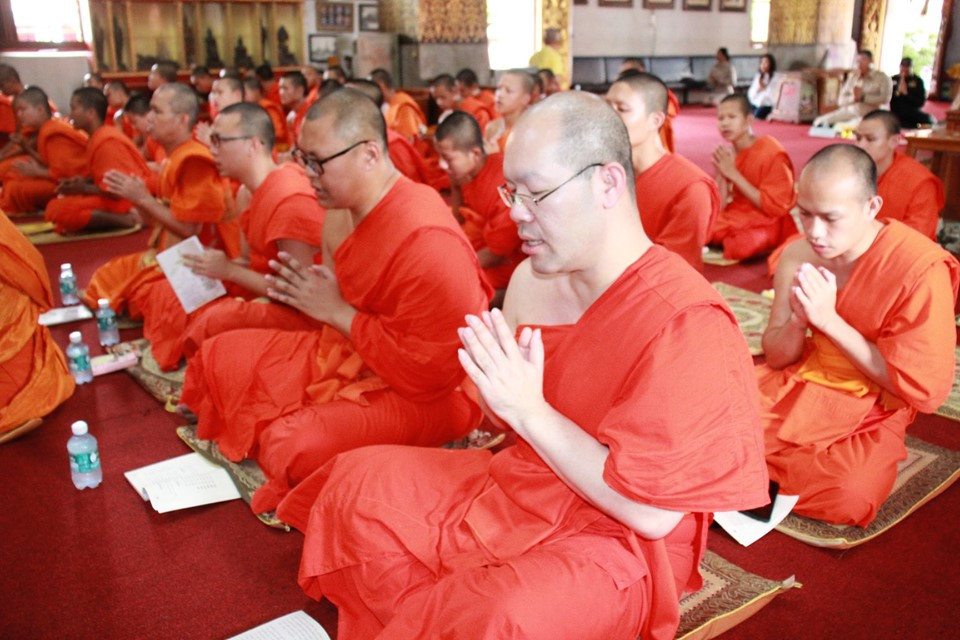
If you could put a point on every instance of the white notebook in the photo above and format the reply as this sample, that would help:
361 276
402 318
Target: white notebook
192 290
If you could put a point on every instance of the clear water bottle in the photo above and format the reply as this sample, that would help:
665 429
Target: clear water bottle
107 323
68 285
84 457
78 358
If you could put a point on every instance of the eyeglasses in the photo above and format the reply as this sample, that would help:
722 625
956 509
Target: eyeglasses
314 164
511 198
216 139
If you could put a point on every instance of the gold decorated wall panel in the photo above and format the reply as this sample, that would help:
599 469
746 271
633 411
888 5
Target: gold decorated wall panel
400 16
453 21
871 30
794 22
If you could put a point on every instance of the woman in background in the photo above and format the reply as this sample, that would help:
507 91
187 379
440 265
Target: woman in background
762 91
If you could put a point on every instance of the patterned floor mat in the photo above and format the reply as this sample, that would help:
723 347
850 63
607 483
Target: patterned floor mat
752 311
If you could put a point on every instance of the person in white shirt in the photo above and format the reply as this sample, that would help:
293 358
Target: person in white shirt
864 90
762 92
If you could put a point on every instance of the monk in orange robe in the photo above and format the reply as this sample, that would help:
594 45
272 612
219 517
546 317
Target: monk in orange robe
678 202
252 92
469 86
283 215
380 365
191 201
403 114
756 184
878 299
478 205
293 93
34 378
514 94
10 88
911 193
136 126
117 95
448 97
84 202
593 524
60 153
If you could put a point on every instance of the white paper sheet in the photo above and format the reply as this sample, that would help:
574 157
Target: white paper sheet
192 290
182 482
63 315
293 626
747 530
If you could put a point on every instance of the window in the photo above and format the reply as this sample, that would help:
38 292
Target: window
511 33
759 22
51 24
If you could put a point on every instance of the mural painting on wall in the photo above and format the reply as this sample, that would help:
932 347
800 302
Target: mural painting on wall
453 22
871 32
334 16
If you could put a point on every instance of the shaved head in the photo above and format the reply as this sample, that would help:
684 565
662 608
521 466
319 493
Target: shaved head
92 99
355 116
446 81
468 78
740 101
462 130
649 87
253 121
890 121
8 73
35 97
368 87
183 100
138 104
527 81
588 131
838 161
167 70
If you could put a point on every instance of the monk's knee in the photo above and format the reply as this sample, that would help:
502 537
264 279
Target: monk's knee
854 500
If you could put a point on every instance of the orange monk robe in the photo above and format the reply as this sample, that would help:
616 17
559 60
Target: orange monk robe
489 99
412 276
407 537
666 130
745 230
284 206
405 116
487 222
8 121
63 150
678 206
279 120
107 150
833 436
191 187
111 115
406 158
911 194
34 378
297 121
481 113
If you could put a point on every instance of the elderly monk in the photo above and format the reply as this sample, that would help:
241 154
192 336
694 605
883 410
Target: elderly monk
283 216
403 114
678 201
755 176
191 201
60 153
448 97
593 524
84 201
864 90
253 92
911 193
380 365
514 94
478 206
836 404
34 378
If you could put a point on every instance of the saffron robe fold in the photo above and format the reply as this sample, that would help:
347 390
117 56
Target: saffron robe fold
284 206
402 540
63 150
191 187
678 206
487 221
282 140
406 158
745 230
412 276
833 436
911 194
480 112
108 149
666 130
34 378
405 116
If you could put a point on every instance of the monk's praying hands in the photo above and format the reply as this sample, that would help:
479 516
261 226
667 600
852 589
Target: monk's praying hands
725 161
816 292
311 289
126 187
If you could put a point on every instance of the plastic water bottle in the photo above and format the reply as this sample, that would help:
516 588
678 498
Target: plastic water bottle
68 285
84 457
107 323
78 358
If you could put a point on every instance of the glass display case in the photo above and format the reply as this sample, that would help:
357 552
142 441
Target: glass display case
131 35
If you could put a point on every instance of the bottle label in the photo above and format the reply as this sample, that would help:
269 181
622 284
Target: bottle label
80 363
107 322
85 462
68 286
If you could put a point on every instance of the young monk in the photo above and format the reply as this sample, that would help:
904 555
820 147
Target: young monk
878 298
34 378
117 95
403 114
911 193
593 524
293 94
161 73
253 92
136 118
514 94
469 86
283 216
60 153
448 97
485 216
678 202
224 92
84 202
191 201
756 185
380 366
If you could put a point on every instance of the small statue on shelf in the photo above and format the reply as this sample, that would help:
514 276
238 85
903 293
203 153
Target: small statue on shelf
213 56
286 58
240 56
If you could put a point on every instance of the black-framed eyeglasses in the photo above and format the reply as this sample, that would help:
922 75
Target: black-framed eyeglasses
315 165
512 198
216 139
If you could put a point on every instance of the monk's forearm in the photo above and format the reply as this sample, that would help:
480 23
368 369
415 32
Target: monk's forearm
783 345
862 353
247 278
579 459
164 217
340 317
748 190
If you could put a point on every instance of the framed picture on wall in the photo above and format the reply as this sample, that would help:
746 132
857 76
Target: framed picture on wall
579 1
369 17
733 5
321 47
616 3
334 16
658 4
696 5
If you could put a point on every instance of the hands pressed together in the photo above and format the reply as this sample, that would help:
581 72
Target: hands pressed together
126 187
813 296
312 289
